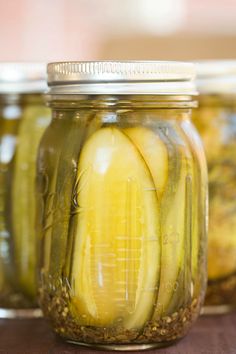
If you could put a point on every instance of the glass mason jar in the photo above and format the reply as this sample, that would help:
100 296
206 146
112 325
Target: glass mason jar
23 119
216 121
122 204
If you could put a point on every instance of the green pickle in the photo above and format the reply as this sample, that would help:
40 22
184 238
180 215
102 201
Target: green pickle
34 122
22 125
23 120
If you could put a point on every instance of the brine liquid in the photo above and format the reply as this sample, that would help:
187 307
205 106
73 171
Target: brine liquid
123 211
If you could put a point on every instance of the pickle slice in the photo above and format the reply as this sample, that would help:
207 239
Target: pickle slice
154 152
197 168
77 131
175 280
47 174
33 124
173 251
116 260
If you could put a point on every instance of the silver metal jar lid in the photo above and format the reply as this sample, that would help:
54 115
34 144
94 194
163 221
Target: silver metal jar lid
22 77
122 77
216 77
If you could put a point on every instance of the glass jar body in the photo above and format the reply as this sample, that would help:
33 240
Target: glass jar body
216 121
23 119
122 210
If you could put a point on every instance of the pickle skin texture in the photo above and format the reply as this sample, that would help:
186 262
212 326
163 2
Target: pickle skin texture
173 255
116 261
23 194
198 170
63 187
173 244
211 123
154 153
222 221
221 243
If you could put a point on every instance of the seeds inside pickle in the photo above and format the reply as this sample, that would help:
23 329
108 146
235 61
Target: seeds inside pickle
116 260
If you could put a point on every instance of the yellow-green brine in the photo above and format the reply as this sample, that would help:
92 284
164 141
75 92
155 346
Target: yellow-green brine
23 119
215 119
122 199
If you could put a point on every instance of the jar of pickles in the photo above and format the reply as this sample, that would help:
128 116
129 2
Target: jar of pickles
122 183
23 119
216 121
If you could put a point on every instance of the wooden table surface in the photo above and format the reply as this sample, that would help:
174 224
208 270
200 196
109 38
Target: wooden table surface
210 335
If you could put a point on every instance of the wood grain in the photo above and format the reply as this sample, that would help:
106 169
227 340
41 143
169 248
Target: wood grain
210 335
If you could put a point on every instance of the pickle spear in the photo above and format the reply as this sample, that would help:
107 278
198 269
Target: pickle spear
173 257
175 280
154 153
173 251
32 126
116 260
198 170
47 173
78 130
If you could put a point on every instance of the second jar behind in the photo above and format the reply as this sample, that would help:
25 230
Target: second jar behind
216 121
23 118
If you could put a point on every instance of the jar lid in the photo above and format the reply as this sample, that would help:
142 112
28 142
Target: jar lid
122 77
22 77
216 77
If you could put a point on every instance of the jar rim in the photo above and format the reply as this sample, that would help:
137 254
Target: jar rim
121 77
22 77
216 77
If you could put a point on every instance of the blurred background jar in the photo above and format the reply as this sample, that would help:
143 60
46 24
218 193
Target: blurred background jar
215 119
23 118
122 204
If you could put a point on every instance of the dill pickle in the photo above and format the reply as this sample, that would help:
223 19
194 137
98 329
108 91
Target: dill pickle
174 246
121 242
198 171
47 168
80 128
23 196
23 120
155 155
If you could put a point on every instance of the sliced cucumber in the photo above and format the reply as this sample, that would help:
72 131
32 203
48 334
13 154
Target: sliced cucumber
116 260
34 122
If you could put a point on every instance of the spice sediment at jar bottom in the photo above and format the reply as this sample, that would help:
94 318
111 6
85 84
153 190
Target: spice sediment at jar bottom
118 265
